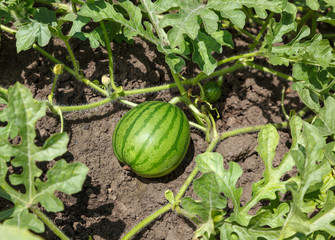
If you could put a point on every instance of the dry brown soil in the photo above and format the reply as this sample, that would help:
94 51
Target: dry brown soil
113 200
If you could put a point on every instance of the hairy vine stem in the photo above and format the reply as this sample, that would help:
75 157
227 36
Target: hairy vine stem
110 55
49 223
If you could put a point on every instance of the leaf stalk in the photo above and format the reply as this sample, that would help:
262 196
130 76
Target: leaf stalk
49 223
110 55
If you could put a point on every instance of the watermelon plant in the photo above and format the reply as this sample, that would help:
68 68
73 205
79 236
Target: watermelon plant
20 115
153 137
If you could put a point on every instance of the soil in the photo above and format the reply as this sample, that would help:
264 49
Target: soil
114 200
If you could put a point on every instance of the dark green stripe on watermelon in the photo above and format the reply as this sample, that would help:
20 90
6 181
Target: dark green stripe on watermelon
152 138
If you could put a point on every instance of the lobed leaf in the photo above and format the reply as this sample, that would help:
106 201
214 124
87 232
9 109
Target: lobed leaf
101 10
185 21
181 25
22 112
308 95
271 183
213 187
228 230
277 30
207 188
316 50
37 29
323 221
212 203
312 169
261 6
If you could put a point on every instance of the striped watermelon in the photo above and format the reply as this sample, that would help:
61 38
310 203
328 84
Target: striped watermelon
152 138
212 91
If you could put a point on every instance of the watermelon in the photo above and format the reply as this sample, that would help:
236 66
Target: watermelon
212 91
152 138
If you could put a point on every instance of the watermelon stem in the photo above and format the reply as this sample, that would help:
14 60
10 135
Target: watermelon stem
176 100
215 133
110 56
196 112
269 70
49 223
146 221
282 104
193 124
202 93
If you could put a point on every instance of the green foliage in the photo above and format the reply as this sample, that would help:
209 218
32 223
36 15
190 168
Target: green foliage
37 29
13 232
21 113
195 31
309 188
315 51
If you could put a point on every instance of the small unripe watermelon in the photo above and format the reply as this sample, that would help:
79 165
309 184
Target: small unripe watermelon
212 91
152 138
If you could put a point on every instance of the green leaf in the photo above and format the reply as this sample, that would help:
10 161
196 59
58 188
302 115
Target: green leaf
271 183
52 147
22 112
212 202
261 6
312 167
213 163
36 30
78 22
64 177
225 38
267 216
303 72
29 33
44 15
230 10
13 232
330 152
327 114
5 14
208 189
203 46
101 10
9 130
175 62
187 21
316 50
22 218
313 4
276 30
307 94
244 233
317 79
329 18
323 221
